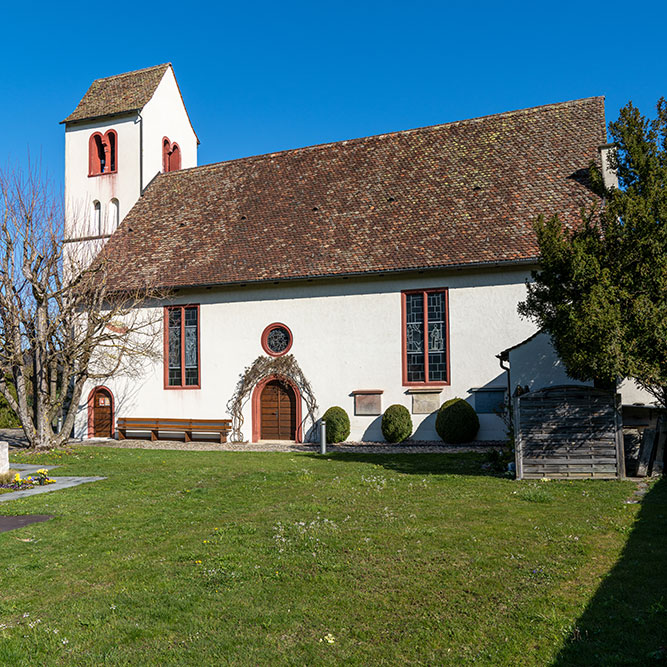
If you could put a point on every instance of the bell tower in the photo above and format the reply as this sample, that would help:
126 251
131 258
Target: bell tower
125 130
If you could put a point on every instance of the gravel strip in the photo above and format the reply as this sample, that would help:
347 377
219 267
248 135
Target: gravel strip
409 447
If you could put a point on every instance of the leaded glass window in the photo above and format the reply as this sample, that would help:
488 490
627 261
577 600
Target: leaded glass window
183 346
414 337
175 347
278 340
191 361
437 364
426 336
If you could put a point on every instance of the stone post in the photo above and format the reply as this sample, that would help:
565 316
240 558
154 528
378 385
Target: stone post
4 457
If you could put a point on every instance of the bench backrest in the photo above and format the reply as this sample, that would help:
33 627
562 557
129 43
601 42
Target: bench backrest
142 423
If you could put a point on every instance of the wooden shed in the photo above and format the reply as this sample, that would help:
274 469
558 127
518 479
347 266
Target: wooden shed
569 432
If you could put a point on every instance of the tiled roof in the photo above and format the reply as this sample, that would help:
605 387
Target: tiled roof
463 193
118 94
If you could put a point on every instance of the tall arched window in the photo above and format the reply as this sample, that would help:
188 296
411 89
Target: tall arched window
171 156
102 153
113 216
97 218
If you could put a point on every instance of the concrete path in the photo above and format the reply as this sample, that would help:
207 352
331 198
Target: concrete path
61 482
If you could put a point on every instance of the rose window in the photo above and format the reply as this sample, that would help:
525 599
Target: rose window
276 339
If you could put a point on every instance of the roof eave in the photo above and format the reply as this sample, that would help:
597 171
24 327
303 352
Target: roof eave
128 112
528 261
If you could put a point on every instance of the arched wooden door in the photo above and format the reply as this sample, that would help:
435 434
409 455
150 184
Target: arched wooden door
102 413
278 412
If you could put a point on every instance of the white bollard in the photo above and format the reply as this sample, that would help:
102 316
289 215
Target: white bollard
323 437
4 457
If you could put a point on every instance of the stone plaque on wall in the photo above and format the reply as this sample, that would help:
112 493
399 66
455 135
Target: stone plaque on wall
425 403
367 403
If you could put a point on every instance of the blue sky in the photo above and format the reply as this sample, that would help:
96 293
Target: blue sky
266 76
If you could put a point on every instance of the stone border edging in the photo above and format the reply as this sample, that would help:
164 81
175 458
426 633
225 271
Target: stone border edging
60 483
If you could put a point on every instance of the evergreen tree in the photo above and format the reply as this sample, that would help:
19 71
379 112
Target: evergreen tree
601 291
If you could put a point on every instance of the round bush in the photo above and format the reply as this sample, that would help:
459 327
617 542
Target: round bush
338 424
457 421
396 423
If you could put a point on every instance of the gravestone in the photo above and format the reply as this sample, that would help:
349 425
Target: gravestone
4 457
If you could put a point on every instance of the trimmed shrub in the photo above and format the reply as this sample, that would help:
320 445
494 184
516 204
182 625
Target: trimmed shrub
338 424
396 423
457 421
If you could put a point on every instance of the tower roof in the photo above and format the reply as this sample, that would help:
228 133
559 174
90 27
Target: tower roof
122 93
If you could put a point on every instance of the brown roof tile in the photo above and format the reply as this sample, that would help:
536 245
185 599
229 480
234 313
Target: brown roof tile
463 193
117 94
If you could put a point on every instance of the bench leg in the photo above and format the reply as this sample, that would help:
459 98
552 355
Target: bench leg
121 434
188 436
153 436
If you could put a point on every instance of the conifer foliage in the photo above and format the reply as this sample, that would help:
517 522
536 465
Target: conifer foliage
601 291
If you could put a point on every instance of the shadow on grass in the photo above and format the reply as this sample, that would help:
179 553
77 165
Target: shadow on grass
464 463
626 621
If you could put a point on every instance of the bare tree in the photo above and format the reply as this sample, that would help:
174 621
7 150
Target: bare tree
60 323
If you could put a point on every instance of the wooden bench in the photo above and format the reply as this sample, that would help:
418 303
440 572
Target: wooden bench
221 427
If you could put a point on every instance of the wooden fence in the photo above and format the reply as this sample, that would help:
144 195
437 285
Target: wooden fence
568 432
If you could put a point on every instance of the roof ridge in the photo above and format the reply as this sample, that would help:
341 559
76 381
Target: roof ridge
134 71
383 135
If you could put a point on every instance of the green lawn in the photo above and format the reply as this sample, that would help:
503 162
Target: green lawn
204 558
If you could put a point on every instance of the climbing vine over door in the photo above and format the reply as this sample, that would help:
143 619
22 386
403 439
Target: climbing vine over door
282 367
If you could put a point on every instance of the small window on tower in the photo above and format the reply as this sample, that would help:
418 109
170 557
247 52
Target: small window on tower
113 215
171 156
97 218
102 153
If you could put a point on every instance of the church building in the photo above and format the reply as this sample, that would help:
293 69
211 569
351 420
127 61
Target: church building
361 273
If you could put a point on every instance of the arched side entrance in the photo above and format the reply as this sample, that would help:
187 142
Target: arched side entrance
276 410
101 417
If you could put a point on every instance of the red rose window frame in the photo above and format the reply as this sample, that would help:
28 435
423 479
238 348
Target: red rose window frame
277 339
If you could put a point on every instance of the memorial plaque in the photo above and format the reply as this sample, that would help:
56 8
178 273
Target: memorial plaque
368 404
425 404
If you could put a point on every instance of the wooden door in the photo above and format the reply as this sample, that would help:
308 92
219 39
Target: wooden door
102 421
278 412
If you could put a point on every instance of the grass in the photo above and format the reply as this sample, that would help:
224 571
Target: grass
218 558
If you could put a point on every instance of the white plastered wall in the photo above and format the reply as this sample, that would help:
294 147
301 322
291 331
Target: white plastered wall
535 364
165 116
82 190
346 337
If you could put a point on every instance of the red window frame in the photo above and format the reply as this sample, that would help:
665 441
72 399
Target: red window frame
171 156
265 339
109 142
426 382
181 386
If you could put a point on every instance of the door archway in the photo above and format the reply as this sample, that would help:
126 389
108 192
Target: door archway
100 413
276 410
